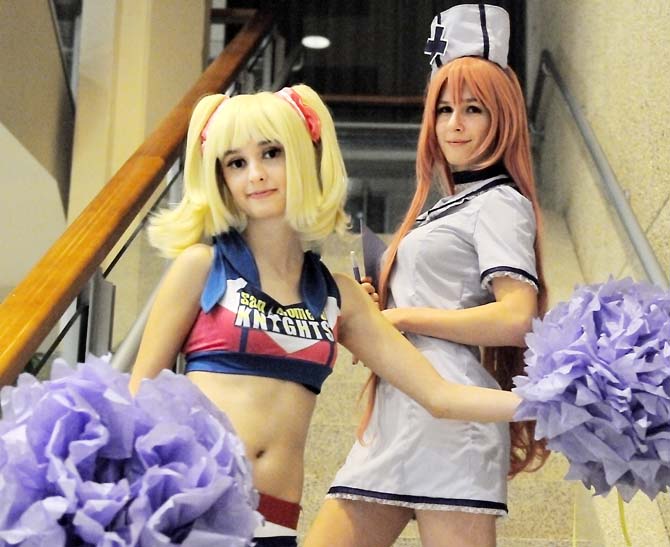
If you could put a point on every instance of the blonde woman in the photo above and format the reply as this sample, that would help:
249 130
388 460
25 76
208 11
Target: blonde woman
256 313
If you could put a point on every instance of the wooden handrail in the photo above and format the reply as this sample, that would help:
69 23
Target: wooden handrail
32 309
231 16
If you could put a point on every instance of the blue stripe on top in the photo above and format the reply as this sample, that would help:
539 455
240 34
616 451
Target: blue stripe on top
234 260
510 269
282 368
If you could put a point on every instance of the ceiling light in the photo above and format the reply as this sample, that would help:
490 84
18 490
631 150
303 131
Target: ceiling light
315 42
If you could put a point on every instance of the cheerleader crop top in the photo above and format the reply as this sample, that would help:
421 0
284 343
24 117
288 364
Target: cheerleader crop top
242 330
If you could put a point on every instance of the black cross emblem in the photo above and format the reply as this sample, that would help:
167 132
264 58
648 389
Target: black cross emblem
435 45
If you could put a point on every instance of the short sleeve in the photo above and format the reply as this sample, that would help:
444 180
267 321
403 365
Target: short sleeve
504 237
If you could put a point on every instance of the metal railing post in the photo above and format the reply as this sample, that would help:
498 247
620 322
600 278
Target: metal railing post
100 322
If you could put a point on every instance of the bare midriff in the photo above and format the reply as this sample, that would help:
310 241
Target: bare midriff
272 418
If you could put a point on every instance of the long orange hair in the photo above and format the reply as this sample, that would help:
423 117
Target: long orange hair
507 140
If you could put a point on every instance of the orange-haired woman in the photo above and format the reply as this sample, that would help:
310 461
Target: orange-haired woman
462 275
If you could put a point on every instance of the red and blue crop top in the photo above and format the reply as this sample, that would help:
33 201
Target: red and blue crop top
242 330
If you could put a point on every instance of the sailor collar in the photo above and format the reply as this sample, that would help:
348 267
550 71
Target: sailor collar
233 258
469 184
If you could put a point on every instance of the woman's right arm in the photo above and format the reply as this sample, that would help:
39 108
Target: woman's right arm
371 337
172 314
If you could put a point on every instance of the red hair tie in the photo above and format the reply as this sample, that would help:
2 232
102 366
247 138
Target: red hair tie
203 133
308 115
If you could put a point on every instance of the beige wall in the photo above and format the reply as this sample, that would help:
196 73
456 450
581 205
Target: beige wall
31 215
36 126
615 57
137 61
35 102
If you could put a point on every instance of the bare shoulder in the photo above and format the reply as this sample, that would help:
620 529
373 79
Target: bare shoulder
198 256
189 270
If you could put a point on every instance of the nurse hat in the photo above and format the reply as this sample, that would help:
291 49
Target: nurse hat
468 30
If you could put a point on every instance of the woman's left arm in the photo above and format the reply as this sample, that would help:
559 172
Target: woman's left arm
504 322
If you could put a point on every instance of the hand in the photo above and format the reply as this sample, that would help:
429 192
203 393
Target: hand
369 288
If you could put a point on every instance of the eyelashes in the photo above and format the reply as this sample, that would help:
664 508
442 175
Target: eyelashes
236 163
471 109
269 153
273 152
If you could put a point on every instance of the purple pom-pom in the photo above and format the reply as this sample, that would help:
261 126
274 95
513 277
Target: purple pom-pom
598 384
82 462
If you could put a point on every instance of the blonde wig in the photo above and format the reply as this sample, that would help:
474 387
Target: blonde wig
315 173
508 141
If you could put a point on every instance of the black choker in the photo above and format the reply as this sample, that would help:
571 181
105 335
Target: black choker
463 177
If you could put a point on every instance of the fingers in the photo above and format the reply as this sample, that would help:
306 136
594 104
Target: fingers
370 289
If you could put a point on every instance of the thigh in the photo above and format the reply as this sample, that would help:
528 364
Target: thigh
456 529
350 523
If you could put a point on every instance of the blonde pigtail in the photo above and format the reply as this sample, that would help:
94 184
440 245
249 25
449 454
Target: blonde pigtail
199 213
330 170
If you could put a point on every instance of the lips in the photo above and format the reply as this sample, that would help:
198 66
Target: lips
261 194
456 143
